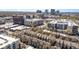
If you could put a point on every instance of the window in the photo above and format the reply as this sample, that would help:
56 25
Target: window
14 45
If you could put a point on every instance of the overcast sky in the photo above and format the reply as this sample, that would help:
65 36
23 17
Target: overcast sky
33 5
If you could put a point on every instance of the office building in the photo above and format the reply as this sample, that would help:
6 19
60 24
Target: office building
33 22
52 12
18 20
68 26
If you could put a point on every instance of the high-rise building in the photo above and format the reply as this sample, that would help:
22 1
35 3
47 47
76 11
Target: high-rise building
46 11
38 11
52 11
57 12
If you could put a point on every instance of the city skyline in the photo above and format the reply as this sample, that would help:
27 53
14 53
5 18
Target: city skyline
34 10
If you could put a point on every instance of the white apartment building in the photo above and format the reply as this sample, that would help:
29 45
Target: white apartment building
7 42
33 22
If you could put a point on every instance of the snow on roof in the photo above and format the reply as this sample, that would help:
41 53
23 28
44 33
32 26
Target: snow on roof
30 47
2 41
6 37
71 23
47 31
7 25
53 22
19 28
32 19
5 40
